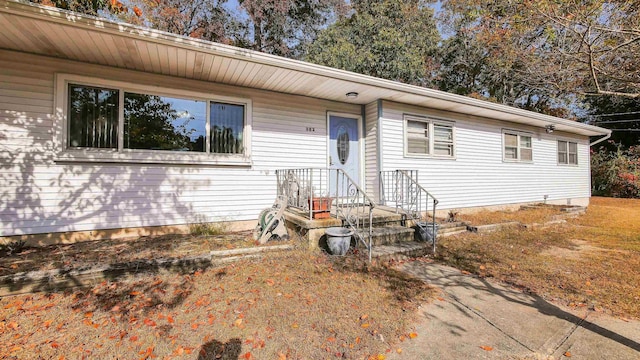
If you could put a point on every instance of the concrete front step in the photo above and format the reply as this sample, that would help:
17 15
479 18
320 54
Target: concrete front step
388 235
401 251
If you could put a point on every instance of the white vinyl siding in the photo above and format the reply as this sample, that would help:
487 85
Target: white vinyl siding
428 137
567 152
371 150
40 193
480 176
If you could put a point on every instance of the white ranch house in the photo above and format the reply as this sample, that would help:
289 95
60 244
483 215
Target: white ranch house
78 158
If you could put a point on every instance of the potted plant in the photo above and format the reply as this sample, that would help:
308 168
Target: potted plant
320 206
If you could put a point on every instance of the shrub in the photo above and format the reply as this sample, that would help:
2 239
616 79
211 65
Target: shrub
616 173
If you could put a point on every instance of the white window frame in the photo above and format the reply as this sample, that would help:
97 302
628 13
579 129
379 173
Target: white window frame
568 163
431 122
519 134
66 153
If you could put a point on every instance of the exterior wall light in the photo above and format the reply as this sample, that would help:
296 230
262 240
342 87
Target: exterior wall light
352 95
550 128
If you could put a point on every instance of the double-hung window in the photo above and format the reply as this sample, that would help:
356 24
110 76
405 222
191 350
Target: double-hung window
128 122
567 152
428 137
517 146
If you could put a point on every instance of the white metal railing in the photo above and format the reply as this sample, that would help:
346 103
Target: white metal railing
400 189
317 191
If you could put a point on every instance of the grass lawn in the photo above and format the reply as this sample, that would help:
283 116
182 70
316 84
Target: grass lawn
591 261
288 306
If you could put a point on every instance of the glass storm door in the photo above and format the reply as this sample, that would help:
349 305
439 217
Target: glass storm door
344 149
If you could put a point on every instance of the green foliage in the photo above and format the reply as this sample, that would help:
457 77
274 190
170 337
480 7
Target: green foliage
201 227
616 173
394 40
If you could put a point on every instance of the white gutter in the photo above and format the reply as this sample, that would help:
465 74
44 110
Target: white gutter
67 18
601 139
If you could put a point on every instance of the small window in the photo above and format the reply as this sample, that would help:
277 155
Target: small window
567 152
443 140
425 136
418 137
227 128
93 117
517 147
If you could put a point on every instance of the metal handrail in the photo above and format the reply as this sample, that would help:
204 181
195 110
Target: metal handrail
401 188
350 202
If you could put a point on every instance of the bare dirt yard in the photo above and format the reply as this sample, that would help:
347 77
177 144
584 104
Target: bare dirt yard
291 305
591 261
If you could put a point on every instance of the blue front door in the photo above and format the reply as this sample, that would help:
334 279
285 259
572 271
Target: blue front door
344 146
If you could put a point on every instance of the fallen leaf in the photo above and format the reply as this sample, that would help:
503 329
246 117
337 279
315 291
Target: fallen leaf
486 348
567 354
12 325
363 317
270 282
55 345
365 325
135 293
247 356
295 325
149 322
195 326
282 356
413 335
88 314
170 319
399 351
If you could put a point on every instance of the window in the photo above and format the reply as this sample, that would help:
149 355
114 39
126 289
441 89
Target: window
428 137
93 117
123 122
154 122
567 152
517 146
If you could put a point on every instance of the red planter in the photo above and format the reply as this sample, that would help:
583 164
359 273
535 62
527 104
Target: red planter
321 207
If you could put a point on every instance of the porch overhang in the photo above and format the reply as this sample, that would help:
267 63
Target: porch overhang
52 32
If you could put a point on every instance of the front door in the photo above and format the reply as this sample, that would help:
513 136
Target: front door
344 145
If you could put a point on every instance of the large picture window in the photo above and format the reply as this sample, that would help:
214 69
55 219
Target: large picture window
517 146
428 137
154 122
132 121
567 152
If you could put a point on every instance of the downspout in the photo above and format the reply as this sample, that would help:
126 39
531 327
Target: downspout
601 139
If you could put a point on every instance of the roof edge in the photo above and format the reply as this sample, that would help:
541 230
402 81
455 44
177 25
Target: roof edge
68 18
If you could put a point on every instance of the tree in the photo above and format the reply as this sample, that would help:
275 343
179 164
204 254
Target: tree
621 114
90 7
472 66
389 39
283 27
203 19
589 47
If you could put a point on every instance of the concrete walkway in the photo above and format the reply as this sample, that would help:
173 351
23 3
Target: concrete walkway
472 313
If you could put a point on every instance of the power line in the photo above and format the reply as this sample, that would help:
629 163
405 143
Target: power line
616 121
616 114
